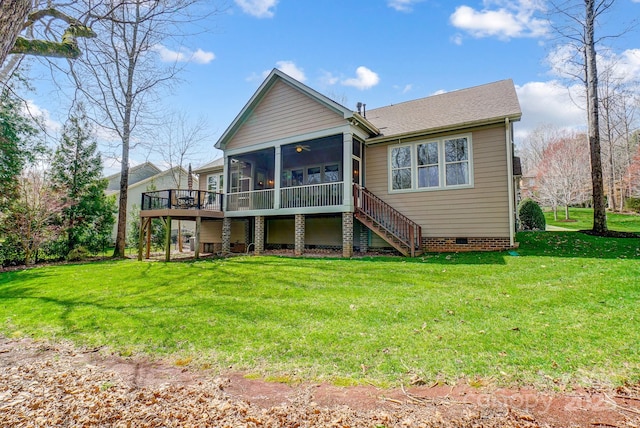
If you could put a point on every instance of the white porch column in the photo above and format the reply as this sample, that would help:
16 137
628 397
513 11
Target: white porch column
276 179
347 148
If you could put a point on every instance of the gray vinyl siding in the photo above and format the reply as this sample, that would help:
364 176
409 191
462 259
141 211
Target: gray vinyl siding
283 112
481 211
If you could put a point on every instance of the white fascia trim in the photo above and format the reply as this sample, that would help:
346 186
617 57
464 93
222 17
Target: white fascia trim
290 211
510 186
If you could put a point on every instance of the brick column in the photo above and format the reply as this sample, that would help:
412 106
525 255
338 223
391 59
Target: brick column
226 235
364 238
347 234
247 233
299 235
258 245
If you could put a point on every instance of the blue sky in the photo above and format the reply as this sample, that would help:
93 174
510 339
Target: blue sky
381 52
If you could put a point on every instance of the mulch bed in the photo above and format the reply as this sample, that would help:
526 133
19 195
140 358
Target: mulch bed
57 384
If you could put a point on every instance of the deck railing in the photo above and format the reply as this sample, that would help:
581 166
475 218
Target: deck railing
252 200
312 195
387 217
182 199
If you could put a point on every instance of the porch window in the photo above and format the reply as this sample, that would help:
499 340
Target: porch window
431 165
312 162
332 173
314 175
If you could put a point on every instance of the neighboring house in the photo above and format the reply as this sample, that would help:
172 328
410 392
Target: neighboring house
142 180
136 173
302 171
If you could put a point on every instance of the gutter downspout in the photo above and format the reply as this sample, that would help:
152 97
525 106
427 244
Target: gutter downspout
507 124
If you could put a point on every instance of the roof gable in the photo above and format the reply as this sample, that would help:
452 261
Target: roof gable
278 84
466 107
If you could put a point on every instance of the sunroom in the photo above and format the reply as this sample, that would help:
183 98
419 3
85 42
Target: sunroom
307 176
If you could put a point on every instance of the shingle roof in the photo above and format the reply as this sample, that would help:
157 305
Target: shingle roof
214 164
493 101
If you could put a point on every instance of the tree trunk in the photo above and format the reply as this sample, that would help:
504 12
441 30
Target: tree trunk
566 212
599 210
13 15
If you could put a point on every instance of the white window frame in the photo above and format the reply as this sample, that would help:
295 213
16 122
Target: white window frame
219 183
411 167
441 165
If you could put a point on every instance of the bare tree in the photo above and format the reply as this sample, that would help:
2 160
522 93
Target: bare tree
562 179
180 138
578 21
121 75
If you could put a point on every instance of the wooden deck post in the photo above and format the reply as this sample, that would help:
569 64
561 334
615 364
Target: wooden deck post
197 241
149 237
140 238
167 244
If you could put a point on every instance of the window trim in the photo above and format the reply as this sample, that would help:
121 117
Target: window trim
441 165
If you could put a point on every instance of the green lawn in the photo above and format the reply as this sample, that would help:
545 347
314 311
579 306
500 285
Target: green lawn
584 220
563 309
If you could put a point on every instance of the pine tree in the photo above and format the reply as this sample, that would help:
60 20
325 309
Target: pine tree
77 170
17 143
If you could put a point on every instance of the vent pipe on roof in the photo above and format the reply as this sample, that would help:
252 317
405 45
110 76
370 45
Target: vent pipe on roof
362 109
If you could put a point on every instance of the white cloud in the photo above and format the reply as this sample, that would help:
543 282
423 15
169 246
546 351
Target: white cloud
503 19
365 79
440 92
258 8
328 78
403 5
403 89
550 103
457 39
291 69
51 126
184 55
566 62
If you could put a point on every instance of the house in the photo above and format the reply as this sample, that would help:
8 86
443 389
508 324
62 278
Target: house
301 171
143 178
136 173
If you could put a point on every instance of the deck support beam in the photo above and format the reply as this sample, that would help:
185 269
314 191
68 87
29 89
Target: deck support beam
167 243
148 224
141 238
196 248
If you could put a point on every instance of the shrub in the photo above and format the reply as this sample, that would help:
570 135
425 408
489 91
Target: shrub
531 215
11 253
77 254
632 204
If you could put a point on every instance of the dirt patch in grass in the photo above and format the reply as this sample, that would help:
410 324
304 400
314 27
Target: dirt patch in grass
45 384
612 234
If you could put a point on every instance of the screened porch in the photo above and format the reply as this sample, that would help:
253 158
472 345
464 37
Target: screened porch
307 174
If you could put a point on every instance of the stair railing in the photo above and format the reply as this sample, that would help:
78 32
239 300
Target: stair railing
388 218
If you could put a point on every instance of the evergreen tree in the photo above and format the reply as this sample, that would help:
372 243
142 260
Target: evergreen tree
17 143
76 170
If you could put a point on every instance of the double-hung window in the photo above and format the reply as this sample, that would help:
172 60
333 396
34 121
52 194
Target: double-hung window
401 167
431 165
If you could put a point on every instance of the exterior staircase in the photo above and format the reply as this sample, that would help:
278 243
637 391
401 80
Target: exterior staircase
395 228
